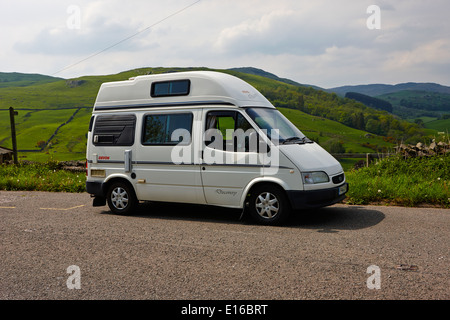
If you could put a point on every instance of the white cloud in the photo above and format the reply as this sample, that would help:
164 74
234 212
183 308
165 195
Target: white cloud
323 42
429 62
302 31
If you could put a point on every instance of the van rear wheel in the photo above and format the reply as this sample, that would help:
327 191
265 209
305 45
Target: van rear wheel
269 205
121 198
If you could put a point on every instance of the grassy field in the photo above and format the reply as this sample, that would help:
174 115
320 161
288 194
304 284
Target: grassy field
439 125
433 123
35 126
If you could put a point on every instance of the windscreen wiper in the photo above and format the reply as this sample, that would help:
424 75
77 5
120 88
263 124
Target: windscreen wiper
291 139
297 140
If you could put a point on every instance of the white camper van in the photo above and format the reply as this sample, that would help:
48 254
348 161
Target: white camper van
203 138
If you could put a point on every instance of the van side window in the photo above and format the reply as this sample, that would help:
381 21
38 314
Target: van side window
159 129
231 128
114 130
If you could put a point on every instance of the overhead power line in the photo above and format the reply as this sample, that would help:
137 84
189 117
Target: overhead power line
127 38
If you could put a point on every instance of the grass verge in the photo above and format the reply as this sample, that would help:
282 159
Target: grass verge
48 176
404 182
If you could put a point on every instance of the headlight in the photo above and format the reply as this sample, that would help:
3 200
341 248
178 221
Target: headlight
315 177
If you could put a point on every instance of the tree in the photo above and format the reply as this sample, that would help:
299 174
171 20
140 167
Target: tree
41 144
334 146
358 121
373 126
370 101
419 122
301 102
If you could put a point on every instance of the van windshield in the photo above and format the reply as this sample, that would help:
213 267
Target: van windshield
271 119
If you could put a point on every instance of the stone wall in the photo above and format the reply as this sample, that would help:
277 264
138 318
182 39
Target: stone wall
422 150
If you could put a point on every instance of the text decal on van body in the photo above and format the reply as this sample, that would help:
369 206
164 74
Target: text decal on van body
220 191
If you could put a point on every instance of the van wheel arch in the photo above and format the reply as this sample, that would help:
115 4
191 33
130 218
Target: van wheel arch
265 183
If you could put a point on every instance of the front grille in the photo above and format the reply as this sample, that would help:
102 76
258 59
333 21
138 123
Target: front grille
338 179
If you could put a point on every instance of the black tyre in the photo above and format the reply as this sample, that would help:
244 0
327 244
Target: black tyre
121 198
269 205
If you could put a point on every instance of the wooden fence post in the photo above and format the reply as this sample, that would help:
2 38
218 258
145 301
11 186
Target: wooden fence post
13 113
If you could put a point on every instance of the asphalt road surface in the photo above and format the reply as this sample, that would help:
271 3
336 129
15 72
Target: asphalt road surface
57 246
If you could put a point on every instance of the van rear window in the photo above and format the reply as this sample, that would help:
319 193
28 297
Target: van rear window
114 130
170 88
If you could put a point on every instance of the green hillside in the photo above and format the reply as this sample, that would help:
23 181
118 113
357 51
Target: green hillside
415 104
326 132
374 90
265 74
15 79
64 107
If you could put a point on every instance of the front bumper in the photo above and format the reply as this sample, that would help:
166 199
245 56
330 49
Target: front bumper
317 198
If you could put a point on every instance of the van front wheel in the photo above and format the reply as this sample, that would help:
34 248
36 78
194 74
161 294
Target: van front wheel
269 205
121 198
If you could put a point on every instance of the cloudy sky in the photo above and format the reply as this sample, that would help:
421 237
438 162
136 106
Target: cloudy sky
327 43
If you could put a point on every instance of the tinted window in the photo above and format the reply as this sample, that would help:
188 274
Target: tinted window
158 128
114 130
